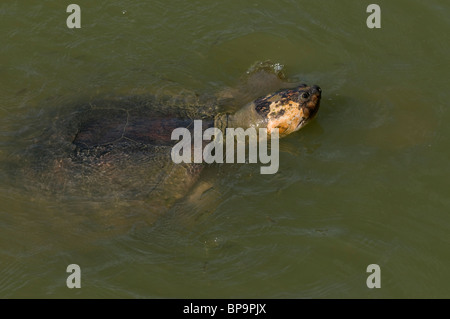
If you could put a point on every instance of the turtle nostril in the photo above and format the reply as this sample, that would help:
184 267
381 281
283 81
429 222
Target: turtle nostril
316 89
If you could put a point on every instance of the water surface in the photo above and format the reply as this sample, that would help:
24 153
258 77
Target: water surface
365 183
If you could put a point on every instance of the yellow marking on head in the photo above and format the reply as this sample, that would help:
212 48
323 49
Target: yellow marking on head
287 121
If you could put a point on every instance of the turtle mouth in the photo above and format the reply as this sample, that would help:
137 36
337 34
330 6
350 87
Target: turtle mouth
302 123
315 110
306 120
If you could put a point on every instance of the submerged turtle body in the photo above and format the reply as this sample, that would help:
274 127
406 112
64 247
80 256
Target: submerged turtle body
120 148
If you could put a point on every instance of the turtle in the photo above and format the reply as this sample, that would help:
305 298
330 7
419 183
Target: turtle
119 148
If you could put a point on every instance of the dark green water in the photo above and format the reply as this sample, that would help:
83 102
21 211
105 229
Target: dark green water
365 183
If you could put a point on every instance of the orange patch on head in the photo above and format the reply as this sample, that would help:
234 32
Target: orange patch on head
285 119
289 110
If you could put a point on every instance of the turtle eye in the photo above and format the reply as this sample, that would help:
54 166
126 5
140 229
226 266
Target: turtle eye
305 95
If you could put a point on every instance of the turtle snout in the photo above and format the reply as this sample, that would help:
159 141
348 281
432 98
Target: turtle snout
316 90
314 103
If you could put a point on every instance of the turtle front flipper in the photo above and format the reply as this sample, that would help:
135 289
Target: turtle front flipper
199 204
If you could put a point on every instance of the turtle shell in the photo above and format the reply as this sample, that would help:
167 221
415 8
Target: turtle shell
119 149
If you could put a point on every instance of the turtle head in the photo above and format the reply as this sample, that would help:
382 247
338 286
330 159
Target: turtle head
289 109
